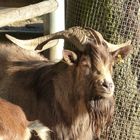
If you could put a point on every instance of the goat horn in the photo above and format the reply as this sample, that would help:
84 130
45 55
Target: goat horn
30 45
113 47
99 39
76 35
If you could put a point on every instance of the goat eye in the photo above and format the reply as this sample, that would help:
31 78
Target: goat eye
97 72
87 69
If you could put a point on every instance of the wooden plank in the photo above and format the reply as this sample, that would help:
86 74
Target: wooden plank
27 12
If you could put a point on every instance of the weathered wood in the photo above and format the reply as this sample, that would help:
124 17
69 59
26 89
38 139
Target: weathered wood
27 12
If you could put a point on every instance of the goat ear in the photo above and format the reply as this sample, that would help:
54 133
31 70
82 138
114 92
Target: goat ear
69 57
121 53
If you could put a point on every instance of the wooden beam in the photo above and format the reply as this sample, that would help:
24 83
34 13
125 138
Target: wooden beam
27 12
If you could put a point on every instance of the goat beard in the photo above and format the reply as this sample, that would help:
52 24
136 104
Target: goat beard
101 112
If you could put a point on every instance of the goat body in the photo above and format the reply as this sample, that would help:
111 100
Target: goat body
58 95
73 98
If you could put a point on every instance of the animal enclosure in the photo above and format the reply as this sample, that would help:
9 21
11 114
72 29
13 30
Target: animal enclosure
118 21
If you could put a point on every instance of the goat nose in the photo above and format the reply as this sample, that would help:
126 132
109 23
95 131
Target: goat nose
108 85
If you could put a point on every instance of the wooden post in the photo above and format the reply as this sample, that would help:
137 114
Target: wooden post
55 22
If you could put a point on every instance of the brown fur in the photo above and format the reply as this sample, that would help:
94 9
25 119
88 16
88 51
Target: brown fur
15 126
13 123
67 99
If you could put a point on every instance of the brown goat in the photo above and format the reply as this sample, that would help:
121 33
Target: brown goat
15 126
75 101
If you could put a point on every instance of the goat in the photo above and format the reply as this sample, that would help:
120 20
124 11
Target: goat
15 126
75 101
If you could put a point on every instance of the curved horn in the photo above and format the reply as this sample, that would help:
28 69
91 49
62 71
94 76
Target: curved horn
113 47
98 38
30 45
76 35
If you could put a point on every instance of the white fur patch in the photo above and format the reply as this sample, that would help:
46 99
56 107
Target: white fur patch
42 131
1 138
27 135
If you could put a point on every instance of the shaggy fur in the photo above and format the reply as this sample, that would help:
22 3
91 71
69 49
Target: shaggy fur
67 99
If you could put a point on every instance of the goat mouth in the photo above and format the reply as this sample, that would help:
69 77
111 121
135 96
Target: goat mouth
103 91
101 94
105 94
